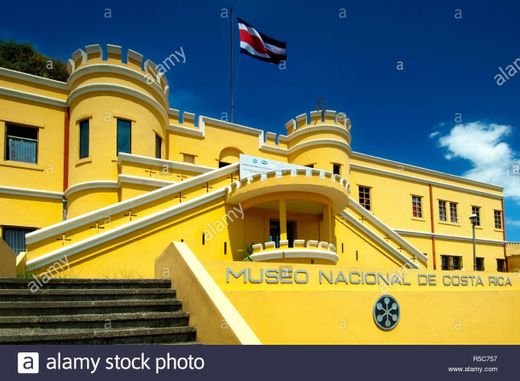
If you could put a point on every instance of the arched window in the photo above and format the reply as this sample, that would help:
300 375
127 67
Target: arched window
228 156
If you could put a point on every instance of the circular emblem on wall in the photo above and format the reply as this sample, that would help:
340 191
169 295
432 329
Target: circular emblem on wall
386 312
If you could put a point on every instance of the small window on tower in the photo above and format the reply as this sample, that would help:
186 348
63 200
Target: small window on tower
84 132
188 158
336 168
158 146
124 136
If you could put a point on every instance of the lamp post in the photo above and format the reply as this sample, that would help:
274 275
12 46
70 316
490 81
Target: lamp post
473 218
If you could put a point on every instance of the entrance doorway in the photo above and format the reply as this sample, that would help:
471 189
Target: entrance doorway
274 231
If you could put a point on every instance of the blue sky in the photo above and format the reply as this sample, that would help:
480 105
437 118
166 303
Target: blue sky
406 115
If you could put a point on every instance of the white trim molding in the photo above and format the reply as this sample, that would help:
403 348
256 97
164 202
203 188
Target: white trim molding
320 127
114 69
118 89
103 184
419 180
318 142
32 97
388 230
425 171
125 205
147 181
186 130
26 192
131 158
34 79
229 125
295 253
450 237
400 257
120 231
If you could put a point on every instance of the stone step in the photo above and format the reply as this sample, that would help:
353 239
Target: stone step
74 294
87 307
99 336
39 282
98 321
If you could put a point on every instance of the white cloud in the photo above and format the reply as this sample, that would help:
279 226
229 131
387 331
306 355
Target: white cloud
434 134
512 222
485 146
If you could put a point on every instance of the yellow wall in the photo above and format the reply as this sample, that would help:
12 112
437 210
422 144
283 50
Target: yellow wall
47 173
343 314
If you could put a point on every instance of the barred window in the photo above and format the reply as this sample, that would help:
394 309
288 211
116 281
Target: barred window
476 210
453 212
451 262
15 237
21 143
442 210
417 206
479 263
501 265
498 219
364 197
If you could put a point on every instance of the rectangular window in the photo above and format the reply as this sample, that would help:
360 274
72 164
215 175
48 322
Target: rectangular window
336 169
498 219
15 238
310 165
451 262
476 210
124 136
84 132
479 262
158 147
417 206
442 210
188 158
21 143
501 265
364 197
453 213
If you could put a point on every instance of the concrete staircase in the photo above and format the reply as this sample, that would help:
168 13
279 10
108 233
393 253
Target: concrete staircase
92 311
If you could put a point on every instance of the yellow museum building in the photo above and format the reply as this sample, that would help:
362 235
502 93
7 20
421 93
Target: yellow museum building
101 173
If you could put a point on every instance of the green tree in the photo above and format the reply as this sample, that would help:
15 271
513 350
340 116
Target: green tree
23 57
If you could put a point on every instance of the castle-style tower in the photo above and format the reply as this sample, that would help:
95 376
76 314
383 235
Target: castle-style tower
117 104
321 140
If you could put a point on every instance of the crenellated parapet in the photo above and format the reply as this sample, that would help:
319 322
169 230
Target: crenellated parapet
318 119
113 55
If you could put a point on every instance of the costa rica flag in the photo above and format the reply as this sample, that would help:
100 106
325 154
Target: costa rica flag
260 46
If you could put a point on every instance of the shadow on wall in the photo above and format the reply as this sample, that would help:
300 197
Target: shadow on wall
7 261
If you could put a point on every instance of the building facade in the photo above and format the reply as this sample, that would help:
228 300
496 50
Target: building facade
100 171
108 135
